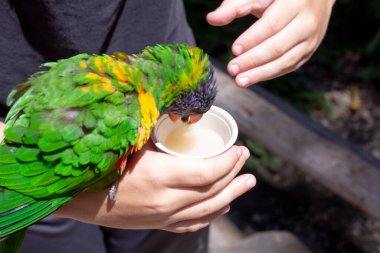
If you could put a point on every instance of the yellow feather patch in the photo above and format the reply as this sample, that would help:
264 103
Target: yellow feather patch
118 69
96 87
99 65
85 88
107 86
150 114
99 83
92 76
83 64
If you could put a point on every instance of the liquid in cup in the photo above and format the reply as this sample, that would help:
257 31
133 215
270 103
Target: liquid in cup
215 133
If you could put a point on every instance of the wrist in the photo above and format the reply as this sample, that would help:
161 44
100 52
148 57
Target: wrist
83 207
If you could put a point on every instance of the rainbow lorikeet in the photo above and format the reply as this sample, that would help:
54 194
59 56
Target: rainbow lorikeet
70 128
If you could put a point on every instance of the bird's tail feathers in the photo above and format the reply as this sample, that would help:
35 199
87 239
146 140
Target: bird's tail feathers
17 212
12 243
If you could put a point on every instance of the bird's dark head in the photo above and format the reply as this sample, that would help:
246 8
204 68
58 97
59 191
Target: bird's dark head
191 105
182 80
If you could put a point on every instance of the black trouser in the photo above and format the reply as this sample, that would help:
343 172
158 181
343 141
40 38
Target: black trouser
58 235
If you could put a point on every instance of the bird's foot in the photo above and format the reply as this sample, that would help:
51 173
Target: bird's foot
112 192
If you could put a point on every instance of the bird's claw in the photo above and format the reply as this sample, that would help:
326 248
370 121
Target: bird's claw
112 192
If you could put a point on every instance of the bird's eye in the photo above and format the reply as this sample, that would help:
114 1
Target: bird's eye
196 106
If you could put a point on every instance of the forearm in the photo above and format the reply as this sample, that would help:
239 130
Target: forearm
159 191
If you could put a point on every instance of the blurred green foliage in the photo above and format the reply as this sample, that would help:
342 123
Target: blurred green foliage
262 162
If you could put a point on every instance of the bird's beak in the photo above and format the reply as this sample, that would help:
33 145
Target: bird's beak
190 119
173 117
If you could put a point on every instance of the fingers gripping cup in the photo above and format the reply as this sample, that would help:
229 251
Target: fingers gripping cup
212 135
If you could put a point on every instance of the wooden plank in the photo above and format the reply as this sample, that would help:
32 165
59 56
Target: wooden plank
339 165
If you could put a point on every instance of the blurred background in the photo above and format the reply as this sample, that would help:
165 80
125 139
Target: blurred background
340 89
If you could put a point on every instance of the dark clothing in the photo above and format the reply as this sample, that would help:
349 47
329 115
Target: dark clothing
34 32
57 235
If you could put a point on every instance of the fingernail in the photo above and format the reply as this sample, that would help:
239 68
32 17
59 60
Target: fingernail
243 81
211 13
234 69
237 49
226 210
239 152
250 183
246 153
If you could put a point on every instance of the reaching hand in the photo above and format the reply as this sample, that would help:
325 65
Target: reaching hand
283 38
161 191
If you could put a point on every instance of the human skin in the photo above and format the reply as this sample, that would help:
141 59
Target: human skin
160 191
283 38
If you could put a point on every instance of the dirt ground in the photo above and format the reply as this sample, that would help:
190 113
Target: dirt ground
355 115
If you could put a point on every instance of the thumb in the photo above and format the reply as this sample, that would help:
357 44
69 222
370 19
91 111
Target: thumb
232 9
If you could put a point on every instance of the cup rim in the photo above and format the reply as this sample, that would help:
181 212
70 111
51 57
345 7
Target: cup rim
214 109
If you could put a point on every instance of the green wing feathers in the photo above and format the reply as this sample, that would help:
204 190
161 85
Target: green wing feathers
65 132
20 211
17 212
12 243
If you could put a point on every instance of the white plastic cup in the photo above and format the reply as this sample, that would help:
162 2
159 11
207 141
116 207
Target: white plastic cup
216 126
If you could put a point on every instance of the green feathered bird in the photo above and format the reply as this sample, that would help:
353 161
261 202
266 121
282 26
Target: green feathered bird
71 127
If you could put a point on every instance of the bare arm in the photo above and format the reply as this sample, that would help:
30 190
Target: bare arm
160 191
